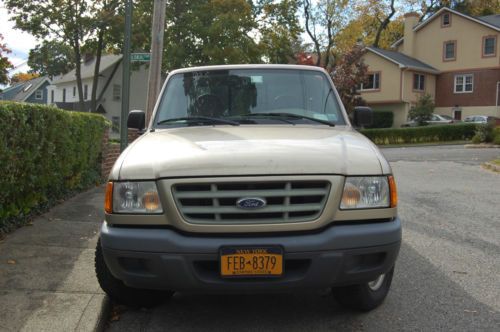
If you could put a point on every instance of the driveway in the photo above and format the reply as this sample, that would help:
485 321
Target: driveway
447 276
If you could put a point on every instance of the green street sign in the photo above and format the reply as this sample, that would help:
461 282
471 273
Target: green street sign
140 57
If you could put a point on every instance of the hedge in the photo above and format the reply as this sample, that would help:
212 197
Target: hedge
454 132
382 119
45 154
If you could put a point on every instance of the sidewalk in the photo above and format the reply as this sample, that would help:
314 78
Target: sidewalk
47 279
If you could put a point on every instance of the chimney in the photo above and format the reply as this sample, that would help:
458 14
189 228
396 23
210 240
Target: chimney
411 19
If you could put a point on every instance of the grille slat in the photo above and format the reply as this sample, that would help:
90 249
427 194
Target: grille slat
287 201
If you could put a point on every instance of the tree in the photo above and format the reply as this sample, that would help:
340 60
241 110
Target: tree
5 64
422 111
22 77
323 20
383 24
348 74
469 7
64 21
279 30
51 58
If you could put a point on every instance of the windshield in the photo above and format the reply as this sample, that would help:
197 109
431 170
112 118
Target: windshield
249 96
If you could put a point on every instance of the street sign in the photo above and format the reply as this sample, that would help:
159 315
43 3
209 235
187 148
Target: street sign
140 57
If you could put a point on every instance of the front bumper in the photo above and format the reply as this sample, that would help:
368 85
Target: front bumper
166 259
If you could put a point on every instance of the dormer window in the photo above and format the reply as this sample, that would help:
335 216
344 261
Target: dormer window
446 20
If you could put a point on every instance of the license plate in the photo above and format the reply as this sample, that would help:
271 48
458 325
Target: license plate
251 261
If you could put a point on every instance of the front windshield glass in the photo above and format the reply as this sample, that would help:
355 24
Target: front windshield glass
249 96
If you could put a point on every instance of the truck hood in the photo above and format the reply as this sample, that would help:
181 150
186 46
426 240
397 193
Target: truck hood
249 150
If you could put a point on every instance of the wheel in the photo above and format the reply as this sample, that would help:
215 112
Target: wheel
367 296
121 293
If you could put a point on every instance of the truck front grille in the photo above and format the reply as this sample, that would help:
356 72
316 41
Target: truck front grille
216 203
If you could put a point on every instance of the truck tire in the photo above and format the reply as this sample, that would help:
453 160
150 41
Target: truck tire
119 292
367 296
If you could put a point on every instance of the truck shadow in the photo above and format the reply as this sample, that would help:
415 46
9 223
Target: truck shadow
421 298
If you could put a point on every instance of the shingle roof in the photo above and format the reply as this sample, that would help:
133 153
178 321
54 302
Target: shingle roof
491 19
403 60
87 69
27 88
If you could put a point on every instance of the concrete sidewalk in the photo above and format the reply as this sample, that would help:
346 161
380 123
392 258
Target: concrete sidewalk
47 279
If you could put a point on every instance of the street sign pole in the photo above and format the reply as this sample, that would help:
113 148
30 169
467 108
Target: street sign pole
158 29
126 76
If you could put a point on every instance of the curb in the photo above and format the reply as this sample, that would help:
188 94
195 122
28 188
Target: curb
491 167
95 316
481 146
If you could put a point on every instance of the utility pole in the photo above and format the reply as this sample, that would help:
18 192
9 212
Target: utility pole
157 31
126 76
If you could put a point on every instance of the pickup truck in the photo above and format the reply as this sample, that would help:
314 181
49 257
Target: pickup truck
249 178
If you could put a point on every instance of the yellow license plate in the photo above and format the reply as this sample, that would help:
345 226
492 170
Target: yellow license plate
248 262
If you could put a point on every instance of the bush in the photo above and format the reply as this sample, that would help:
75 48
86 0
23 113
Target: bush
422 111
421 134
382 119
484 132
45 154
496 136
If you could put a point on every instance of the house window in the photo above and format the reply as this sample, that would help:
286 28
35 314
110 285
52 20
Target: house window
39 94
450 50
117 90
52 96
85 92
489 46
418 82
74 91
115 124
372 82
64 95
445 20
464 83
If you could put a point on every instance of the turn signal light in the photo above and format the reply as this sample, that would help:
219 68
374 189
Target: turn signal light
394 191
108 201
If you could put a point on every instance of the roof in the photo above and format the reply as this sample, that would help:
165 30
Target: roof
26 89
490 21
87 69
403 60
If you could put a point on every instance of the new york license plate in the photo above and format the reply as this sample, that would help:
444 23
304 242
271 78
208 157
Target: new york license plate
251 261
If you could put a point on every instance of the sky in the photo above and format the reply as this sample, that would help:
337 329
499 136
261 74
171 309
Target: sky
20 43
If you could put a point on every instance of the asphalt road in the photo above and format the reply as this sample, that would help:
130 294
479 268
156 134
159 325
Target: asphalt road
447 276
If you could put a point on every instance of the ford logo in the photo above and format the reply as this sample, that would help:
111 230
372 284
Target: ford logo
250 203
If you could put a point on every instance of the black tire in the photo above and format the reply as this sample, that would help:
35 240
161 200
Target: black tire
361 297
122 294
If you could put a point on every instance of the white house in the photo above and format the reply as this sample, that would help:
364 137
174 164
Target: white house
64 93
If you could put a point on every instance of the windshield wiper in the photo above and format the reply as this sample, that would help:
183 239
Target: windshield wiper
200 119
293 116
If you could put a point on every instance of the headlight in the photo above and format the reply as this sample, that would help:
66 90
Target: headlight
368 192
135 197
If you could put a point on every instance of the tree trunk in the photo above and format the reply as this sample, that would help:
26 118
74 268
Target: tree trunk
78 72
95 81
307 6
384 25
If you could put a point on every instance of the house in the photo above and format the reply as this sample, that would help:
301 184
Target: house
32 91
64 92
451 56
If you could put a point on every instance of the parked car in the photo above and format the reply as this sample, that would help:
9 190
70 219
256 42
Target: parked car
249 178
436 119
482 119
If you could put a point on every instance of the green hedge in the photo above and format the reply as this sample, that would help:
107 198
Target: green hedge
45 154
382 119
425 134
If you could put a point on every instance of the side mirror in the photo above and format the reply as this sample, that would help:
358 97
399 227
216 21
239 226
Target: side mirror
136 120
363 116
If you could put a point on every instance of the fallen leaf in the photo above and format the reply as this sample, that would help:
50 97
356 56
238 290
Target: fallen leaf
11 261
460 272
471 311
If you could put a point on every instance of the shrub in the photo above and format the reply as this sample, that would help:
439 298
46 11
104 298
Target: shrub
422 111
476 139
496 136
45 153
484 132
421 134
382 119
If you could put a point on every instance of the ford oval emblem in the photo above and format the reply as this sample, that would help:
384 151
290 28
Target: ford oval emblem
251 203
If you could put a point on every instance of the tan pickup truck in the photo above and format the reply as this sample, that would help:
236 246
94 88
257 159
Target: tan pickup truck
249 178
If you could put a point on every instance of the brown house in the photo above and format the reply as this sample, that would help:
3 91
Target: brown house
452 56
